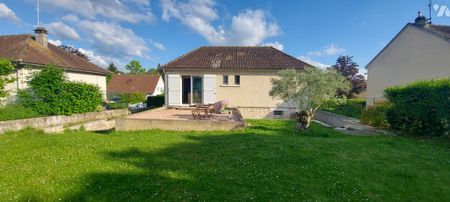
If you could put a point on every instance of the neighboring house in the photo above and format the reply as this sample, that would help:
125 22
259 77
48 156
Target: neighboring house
241 75
150 85
419 51
32 53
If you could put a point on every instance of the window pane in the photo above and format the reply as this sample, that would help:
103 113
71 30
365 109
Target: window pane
237 79
225 79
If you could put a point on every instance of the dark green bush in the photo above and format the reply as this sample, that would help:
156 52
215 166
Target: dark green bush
375 115
421 108
116 105
346 107
132 98
155 101
51 94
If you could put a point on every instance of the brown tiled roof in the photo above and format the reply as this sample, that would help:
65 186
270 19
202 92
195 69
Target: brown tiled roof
442 30
23 48
236 57
132 84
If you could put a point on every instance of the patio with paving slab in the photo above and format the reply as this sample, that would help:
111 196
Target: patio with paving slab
178 119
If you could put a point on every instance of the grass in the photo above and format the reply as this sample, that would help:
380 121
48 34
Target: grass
265 162
350 107
16 111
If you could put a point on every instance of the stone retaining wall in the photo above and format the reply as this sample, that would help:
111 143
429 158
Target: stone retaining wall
338 121
266 112
52 121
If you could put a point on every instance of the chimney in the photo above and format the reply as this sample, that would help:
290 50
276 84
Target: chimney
41 36
420 20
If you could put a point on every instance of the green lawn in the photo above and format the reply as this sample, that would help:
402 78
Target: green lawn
350 107
15 111
266 162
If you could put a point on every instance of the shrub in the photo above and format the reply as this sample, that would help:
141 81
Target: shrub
51 94
421 108
375 115
132 98
6 69
346 107
116 105
155 101
16 111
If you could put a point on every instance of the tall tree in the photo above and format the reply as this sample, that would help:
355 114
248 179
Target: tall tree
135 67
349 69
307 90
113 68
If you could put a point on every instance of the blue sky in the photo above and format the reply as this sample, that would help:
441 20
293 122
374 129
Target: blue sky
158 31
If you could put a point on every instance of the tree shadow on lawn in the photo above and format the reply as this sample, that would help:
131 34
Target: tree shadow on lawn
211 167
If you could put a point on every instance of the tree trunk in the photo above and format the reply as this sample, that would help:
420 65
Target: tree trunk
304 119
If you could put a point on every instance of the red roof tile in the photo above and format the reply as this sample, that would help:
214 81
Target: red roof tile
236 57
23 48
133 84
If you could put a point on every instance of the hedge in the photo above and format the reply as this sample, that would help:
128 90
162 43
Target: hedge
51 94
421 108
155 101
375 115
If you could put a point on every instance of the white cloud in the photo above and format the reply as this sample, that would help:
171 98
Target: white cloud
62 30
6 13
310 61
70 18
275 44
159 46
114 10
55 42
250 27
113 40
328 50
99 60
333 49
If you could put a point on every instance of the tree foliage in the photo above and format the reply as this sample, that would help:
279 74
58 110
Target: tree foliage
51 94
135 67
349 69
6 69
113 68
307 89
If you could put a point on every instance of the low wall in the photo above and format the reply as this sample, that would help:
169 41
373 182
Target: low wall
265 112
51 121
338 121
133 124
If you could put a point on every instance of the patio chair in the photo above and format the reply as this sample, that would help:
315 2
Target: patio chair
202 111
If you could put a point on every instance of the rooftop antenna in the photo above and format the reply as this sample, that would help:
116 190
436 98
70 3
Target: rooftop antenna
430 4
37 13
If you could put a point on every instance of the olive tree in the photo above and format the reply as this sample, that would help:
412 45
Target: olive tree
307 90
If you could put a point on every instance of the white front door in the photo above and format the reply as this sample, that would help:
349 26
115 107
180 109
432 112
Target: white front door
174 89
209 89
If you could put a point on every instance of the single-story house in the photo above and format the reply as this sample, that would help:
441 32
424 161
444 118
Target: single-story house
241 75
32 53
150 85
420 51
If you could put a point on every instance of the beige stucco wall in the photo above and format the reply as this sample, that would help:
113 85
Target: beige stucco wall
23 75
413 55
97 80
251 96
